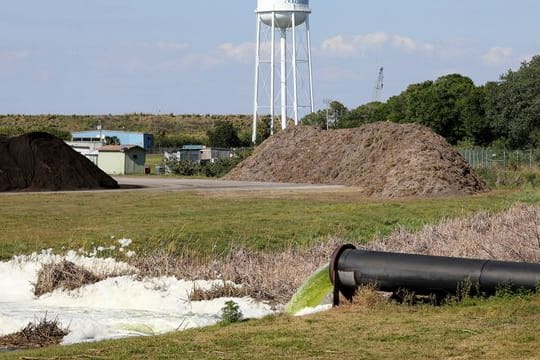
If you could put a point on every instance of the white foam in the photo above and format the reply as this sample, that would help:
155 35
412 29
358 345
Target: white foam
114 308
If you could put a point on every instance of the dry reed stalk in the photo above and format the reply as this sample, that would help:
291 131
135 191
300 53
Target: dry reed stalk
65 275
367 297
218 291
271 277
513 235
35 335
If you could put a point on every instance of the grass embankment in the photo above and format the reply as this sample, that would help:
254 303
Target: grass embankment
499 328
211 223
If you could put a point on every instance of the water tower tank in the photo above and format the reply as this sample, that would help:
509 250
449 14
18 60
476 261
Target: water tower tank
284 10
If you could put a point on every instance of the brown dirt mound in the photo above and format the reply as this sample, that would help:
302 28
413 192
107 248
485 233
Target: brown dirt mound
40 161
382 159
65 275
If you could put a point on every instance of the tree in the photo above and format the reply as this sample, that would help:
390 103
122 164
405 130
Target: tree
335 111
477 127
442 105
364 114
112 140
316 118
513 105
223 135
264 127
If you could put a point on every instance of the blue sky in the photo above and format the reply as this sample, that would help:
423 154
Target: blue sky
175 56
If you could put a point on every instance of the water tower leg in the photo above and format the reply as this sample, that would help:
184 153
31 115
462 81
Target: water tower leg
283 79
273 75
312 106
257 69
294 63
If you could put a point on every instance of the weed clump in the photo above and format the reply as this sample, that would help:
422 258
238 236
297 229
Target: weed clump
64 275
231 313
264 276
35 335
218 291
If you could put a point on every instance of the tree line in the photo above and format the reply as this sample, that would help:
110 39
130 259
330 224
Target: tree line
503 113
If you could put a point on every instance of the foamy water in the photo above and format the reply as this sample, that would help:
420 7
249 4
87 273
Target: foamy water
114 308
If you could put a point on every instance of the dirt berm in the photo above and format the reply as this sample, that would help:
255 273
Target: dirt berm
381 159
41 162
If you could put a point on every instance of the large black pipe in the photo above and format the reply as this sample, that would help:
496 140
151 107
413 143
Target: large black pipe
423 275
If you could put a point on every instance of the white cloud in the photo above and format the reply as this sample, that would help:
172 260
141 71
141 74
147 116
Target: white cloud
339 73
346 46
187 63
242 53
13 55
10 59
498 56
164 45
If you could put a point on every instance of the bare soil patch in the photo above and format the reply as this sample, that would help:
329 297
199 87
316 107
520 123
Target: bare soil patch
381 159
42 162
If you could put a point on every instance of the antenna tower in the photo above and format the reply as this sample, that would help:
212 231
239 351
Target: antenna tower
379 86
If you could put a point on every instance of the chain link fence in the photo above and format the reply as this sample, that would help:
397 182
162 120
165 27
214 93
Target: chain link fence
488 158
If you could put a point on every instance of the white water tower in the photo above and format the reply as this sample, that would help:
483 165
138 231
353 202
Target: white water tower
289 63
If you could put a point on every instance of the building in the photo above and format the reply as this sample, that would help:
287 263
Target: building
145 141
89 150
200 154
121 159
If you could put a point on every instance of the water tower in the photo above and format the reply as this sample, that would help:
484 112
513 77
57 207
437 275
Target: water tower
285 22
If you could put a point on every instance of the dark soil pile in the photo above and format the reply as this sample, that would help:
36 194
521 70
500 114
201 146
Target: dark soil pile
381 159
65 275
40 162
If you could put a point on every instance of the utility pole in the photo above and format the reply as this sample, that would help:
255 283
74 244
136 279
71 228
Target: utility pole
332 115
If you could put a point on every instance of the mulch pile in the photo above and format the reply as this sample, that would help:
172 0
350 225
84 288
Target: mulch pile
381 159
42 162
64 275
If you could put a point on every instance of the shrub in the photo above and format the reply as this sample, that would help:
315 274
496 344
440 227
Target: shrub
231 313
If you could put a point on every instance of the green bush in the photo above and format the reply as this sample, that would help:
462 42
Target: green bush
498 178
231 313
184 167
218 168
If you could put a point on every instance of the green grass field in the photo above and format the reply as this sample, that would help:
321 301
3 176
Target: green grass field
211 223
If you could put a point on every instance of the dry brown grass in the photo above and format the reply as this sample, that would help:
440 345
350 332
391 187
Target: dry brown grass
35 335
513 235
218 291
272 277
65 275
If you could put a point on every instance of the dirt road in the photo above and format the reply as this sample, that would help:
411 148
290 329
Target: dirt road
151 183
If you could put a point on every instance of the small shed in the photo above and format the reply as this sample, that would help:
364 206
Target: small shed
122 159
